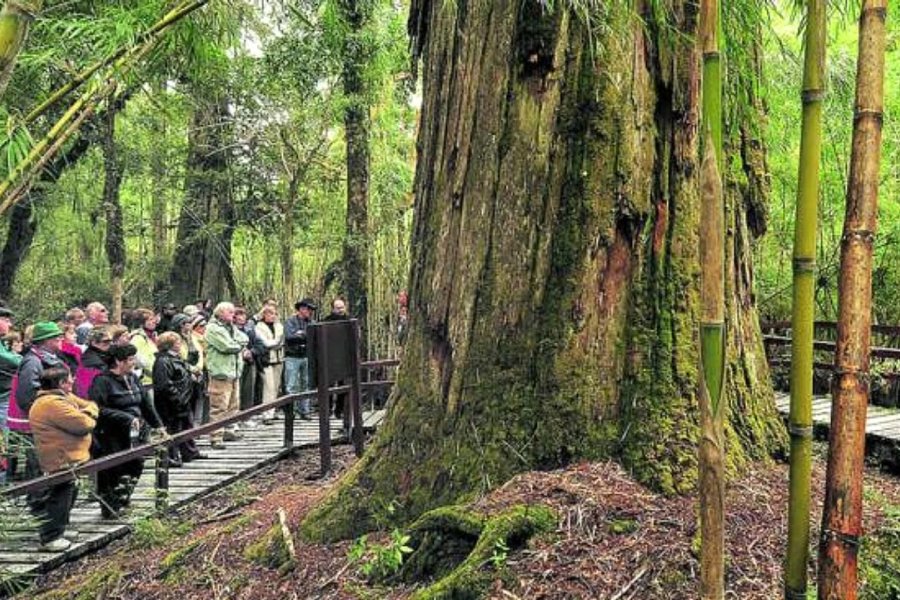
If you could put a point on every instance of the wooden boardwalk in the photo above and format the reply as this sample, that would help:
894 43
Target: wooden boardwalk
882 428
880 422
20 552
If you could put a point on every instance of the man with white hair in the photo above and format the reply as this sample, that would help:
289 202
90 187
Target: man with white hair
225 355
96 315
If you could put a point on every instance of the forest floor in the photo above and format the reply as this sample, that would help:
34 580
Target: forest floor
614 540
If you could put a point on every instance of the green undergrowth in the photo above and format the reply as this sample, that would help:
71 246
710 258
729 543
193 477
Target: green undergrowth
880 559
153 532
100 584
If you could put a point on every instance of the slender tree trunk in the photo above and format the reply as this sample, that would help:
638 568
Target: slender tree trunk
287 242
201 265
23 222
711 450
15 21
554 293
112 207
356 126
842 517
23 226
803 313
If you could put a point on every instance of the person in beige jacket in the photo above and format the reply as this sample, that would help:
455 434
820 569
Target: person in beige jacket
271 332
61 424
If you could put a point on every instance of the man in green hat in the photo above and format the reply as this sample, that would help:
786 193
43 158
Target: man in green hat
42 354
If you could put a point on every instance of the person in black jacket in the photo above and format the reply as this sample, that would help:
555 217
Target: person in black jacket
126 416
173 395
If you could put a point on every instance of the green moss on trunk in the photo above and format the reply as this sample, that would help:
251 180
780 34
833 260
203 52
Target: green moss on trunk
554 291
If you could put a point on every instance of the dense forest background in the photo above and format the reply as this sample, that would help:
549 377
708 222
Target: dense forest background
783 73
276 70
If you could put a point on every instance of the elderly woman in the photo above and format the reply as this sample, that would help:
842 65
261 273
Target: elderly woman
173 391
62 425
126 416
271 333
94 360
143 337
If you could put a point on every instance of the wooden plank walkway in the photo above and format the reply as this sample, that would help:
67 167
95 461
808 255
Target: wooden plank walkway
880 422
882 429
20 552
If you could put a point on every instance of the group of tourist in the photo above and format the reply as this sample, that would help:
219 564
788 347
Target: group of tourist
82 388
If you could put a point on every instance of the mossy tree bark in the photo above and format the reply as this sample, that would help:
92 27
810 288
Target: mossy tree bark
201 266
113 169
554 293
356 14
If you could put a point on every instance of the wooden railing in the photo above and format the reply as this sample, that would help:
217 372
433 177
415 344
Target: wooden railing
160 448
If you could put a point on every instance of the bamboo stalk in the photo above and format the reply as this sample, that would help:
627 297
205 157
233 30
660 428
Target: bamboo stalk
711 447
15 21
117 58
802 316
842 515
45 149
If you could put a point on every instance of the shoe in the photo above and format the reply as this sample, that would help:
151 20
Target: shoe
200 456
251 424
306 417
175 464
268 421
58 545
71 535
217 445
232 436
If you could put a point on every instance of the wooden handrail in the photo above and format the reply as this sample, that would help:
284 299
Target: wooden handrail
889 330
107 462
876 352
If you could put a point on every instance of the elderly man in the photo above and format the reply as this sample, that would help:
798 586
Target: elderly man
45 342
225 355
96 315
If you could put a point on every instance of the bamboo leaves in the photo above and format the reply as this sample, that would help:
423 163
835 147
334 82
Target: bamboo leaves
101 79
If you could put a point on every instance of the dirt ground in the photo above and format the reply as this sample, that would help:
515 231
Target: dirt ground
614 540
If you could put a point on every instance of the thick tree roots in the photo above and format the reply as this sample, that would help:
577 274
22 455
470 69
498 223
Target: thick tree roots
462 551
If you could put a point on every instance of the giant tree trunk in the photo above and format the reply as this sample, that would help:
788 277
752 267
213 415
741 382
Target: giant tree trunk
554 293
201 266
356 127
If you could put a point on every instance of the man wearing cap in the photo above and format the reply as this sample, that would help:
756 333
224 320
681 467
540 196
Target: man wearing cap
45 341
9 364
296 365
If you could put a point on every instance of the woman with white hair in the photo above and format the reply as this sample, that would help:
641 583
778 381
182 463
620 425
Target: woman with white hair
271 332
